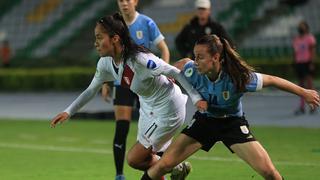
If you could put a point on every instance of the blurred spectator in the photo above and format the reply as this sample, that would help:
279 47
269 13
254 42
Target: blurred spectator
198 26
5 53
304 45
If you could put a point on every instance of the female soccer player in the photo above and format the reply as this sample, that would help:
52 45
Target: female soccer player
162 104
144 31
222 78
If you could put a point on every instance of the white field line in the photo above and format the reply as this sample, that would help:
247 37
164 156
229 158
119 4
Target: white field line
102 151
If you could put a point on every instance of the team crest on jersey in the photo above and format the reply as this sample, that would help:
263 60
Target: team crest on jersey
151 64
139 34
244 129
225 95
188 72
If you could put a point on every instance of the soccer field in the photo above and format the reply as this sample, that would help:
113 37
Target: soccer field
82 150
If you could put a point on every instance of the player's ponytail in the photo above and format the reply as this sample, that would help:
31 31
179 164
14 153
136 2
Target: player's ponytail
238 69
232 64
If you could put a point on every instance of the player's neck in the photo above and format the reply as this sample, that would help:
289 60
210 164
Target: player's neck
129 18
214 74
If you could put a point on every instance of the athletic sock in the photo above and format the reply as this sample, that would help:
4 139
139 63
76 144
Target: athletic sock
119 144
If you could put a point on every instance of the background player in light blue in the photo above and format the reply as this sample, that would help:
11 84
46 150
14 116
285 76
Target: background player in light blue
221 77
145 32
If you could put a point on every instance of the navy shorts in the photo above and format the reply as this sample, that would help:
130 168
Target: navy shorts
124 97
303 69
209 130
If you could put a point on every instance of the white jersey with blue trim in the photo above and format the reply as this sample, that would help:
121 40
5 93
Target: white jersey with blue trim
146 75
221 95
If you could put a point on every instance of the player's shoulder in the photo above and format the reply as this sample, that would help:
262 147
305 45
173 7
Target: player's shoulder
144 17
104 61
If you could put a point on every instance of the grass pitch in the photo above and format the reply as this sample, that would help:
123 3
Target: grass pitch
82 150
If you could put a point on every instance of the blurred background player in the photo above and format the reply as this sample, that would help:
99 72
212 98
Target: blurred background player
304 45
5 53
144 31
201 24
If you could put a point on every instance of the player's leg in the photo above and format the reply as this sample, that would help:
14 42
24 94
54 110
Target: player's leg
257 157
183 147
123 102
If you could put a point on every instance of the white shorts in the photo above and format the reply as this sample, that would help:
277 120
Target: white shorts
157 129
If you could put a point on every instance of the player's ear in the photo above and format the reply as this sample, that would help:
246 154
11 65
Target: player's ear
116 38
216 57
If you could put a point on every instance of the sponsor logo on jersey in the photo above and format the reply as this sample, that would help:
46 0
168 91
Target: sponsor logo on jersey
139 34
151 64
225 95
244 129
188 72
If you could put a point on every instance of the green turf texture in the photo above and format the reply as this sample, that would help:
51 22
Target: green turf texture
82 150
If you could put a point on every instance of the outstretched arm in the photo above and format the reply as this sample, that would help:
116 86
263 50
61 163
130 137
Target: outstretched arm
81 100
311 96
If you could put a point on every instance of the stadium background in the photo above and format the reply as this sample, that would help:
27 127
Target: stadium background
53 59
59 33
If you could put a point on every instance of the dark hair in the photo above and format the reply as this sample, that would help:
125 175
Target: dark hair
305 24
238 70
115 25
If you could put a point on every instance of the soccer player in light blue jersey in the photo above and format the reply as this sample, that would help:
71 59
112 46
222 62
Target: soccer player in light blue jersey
144 31
221 77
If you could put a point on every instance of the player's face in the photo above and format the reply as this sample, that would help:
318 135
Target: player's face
204 61
103 42
127 7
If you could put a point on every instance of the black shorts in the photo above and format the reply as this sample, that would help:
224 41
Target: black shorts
124 97
303 69
209 130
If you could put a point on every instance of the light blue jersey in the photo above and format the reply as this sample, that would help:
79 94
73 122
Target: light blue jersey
145 32
221 95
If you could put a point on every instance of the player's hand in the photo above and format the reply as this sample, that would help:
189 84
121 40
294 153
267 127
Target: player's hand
202 106
312 98
60 118
105 92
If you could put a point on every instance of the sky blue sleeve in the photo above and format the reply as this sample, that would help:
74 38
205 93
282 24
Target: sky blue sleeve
155 34
256 82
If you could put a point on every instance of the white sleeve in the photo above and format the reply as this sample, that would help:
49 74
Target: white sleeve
84 97
102 75
157 66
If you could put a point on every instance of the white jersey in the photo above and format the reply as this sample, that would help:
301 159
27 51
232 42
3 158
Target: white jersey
145 75
162 104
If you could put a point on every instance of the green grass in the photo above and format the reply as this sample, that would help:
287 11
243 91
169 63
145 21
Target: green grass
30 150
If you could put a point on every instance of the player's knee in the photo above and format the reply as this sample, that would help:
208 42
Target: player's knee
132 161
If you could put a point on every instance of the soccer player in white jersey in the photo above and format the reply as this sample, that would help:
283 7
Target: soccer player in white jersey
221 77
144 31
162 104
